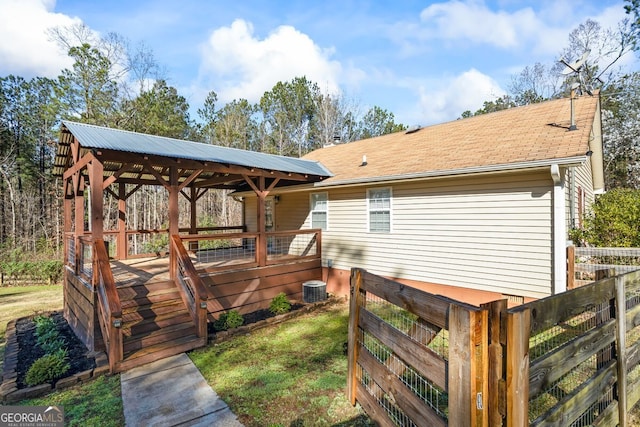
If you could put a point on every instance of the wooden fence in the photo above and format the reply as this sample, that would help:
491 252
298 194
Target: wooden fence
572 359
415 358
587 264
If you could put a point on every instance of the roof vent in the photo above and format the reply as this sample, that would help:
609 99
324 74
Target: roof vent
364 160
413 129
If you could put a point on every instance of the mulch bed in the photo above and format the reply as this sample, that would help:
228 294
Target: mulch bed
254 317
29 351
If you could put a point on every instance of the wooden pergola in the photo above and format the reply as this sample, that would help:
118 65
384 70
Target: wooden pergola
137 322
106 160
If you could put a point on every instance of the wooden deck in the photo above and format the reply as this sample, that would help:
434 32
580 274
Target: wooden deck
233 283
139 311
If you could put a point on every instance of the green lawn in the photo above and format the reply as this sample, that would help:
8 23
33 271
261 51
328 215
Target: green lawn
97 403
290 374
21 301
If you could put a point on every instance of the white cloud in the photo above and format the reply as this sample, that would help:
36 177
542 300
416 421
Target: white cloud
472 21
237 64
541 29
25 49
451 97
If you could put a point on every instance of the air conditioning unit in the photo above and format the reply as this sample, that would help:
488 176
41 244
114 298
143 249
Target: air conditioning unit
314 291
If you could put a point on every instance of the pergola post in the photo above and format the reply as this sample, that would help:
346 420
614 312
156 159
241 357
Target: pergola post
67 226
97 199
78 226
174 191
193 223
261 248
193 198
121 244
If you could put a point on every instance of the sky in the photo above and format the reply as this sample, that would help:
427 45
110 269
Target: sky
426 62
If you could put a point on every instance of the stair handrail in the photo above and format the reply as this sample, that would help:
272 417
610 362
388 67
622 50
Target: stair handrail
192 289
110 309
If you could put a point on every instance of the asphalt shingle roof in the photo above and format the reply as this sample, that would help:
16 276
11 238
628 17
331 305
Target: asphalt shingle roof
529 134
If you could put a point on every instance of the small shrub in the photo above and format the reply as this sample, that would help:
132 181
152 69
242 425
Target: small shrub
48 368
51 343
280 304
47 335
44 325
229 320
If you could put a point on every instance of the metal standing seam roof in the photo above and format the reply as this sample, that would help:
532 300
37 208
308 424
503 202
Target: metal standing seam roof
91 136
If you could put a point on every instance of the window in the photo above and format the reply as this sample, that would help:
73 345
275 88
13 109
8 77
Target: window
379 210
319 207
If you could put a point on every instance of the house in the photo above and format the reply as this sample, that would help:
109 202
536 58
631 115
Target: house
476 208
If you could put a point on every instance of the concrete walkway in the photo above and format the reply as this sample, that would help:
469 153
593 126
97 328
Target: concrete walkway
172 392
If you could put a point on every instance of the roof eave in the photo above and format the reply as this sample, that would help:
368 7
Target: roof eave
567 162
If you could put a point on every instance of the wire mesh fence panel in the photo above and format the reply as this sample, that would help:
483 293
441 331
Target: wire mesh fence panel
400 346
86 259
584 351
216 251
592 264
71 251
291 245
147 243
410 325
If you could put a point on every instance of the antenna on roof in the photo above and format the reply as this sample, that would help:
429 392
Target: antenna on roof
575 69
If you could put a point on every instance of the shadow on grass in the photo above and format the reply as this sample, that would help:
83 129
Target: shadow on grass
293 373
359 421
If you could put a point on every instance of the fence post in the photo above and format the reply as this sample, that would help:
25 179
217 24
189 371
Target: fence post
461 375
571 267
355 302
518 332
621 349
496 400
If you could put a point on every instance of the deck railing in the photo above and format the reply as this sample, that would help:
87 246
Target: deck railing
192 290
84 258
110 310
70 250
152 242
243 250
296 244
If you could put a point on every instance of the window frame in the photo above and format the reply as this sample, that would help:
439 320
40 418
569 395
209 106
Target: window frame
390 209
325 211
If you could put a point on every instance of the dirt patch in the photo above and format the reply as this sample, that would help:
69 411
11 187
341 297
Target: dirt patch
29 351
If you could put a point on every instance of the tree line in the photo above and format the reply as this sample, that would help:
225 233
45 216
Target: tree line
116 84
605 49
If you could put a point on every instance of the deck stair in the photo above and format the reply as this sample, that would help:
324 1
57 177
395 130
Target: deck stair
155 323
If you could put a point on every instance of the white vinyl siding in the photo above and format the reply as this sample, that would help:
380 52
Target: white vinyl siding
491 233
319 210
583 195
379 212
487 233
584 181
251 213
